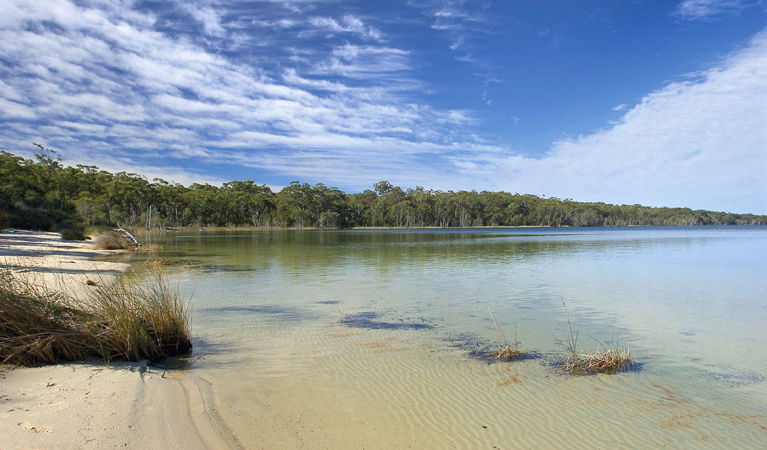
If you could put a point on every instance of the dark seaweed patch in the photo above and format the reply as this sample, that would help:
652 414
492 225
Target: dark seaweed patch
491 356
466 341
480 349
738 378
371 321
277 311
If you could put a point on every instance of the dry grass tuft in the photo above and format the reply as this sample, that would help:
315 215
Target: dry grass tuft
607 360
117 321
112 240
505 352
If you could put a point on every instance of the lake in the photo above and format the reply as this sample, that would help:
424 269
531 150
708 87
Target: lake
352 339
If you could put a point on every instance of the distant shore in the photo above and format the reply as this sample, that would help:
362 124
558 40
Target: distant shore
176 229
142 231
89 404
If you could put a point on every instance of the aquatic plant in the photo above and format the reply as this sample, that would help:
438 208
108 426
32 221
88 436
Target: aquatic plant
116 321
608 359
506 351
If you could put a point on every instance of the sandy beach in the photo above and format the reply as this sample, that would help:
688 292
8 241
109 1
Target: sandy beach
91 404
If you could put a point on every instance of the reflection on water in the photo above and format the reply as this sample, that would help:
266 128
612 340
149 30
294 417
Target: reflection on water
390 316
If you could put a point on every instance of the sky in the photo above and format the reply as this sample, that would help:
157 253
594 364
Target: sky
661 103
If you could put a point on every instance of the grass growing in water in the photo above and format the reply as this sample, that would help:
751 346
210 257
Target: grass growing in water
608 359
506 351
116 321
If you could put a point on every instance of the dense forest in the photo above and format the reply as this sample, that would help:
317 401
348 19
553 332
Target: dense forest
43 194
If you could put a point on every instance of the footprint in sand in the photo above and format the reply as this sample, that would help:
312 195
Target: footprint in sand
29 427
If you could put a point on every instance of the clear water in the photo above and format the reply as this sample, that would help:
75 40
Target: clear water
284 370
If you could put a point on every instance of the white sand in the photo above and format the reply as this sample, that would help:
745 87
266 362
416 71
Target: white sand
92 405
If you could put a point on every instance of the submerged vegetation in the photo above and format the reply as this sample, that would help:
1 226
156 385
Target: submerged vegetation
117 321
43 194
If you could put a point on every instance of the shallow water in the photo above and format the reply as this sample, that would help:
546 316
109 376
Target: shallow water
364 338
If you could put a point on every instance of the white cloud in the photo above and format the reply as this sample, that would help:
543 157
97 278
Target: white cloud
105 81
207 16
702 9
384 65
348 24
701 144
150 172
459 21
14 110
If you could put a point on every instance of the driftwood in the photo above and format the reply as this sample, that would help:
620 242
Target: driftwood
126 234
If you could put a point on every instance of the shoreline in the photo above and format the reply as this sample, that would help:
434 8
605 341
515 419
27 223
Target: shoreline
93 404
143 231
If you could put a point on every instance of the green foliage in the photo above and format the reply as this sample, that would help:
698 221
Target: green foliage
34 193
42 194
5 220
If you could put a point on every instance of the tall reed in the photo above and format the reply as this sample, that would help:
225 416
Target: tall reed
506 351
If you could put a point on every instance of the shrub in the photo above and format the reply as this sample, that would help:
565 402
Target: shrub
112 240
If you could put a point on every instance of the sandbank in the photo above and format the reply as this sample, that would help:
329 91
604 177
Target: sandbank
93 404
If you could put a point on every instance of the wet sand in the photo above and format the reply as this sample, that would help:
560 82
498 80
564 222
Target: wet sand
92 405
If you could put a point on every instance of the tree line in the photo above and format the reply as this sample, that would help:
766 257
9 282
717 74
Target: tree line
43 194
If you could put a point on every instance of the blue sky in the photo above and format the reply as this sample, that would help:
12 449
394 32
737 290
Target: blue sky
652 102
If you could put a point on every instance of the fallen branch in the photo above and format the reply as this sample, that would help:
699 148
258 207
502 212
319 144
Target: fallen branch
128 235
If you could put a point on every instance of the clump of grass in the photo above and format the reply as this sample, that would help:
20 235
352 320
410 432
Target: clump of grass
608 359
118 321
112 240
506 351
